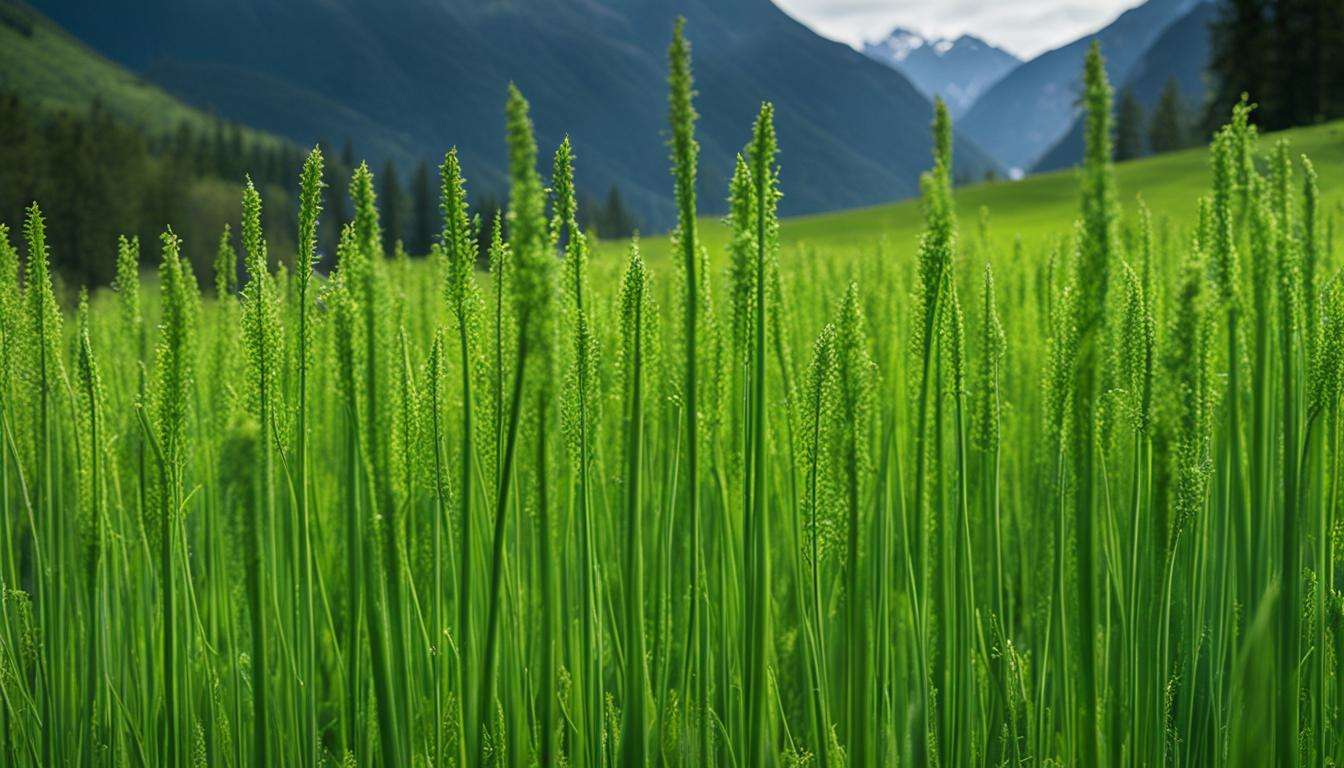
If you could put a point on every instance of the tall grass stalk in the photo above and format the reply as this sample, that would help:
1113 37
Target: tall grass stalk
634 306
459 244
756 516
531 285
685 157
1096 251
262 332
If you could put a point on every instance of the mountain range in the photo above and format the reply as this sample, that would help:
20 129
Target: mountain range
958 70
406 79
1181 53
1026 112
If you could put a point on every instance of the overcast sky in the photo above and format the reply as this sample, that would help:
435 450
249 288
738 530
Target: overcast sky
1025 27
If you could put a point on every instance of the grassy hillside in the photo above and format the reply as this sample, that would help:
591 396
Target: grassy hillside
43 65
1038 208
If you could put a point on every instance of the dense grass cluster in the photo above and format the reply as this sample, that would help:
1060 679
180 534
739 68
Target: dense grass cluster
954 505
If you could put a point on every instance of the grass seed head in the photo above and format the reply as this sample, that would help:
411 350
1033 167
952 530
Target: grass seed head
458 237
310 206
532 277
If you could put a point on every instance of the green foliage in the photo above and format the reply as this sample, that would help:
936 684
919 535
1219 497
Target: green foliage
1040 500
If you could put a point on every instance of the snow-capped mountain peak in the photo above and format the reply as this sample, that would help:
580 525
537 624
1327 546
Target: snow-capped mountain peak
958 70
898 44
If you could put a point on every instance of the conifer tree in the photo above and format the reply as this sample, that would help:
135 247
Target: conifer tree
422 212
1129 127
1167 128
392 223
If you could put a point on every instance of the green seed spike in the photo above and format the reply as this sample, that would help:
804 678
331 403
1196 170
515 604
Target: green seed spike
742 249
226 265
11 350
527 223
1136 339
1222 240
368 234
1310 250
458 238
992 344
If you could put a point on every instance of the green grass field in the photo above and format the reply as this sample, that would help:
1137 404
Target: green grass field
904 496
1038 208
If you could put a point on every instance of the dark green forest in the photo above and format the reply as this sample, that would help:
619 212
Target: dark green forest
1287 55
100 177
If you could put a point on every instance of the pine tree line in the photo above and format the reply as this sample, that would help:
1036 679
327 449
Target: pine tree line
99 177
1285 54
1171 125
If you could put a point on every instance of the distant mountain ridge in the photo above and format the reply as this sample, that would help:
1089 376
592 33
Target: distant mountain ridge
1181 52
406 79
959 70
1025 113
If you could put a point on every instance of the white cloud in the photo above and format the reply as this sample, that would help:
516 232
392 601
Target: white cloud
1025 27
